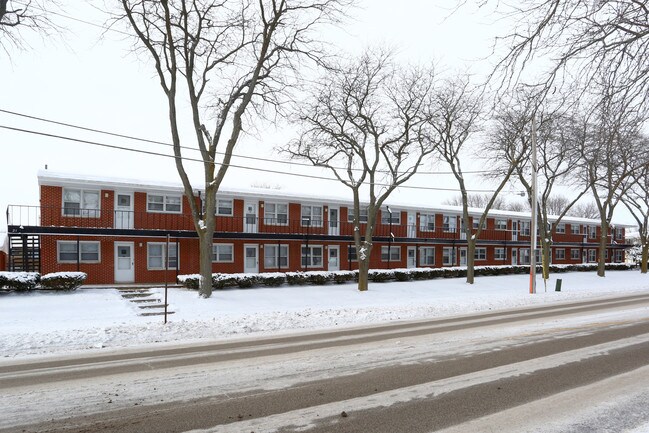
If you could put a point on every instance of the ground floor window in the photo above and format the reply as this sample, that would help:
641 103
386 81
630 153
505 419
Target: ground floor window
560 254
312 256
275 256
500 254
73 252
480 254
222 253
351 253
575 254
448 256
427 256
592 255
395 253
619 256
157 255
524 256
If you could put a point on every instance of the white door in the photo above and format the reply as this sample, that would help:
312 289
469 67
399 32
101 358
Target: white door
514 258
250 217
514 230
124 210
124 262
462 256
412 257
334 258
412 225
334 221
251 259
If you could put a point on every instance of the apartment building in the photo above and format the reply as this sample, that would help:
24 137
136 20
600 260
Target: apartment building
127 231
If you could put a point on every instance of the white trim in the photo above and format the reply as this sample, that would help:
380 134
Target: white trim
216 210
164 203
274 220
164 255
58 251
215 253
311 265
277 257
392 248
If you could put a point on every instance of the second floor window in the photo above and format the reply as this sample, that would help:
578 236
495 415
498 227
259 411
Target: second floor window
164 203
79 202
449 223
386 218
592 232
362 215
561 228
311 216
575 229
525 228
501 224
224 207
276 213
427 222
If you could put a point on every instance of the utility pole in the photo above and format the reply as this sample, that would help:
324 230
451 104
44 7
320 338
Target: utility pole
534 211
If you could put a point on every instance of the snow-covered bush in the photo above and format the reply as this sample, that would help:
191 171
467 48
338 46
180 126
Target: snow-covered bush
245 281
341 277
220 281
191 281
63 280
318 278
272 279
19 281
402 274
380 275
296 278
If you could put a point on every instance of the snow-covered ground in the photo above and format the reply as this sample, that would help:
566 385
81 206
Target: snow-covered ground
44 322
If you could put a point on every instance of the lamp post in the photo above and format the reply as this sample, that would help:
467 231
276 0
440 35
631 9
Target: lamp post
390 238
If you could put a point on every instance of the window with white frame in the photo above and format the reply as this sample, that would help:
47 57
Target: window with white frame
351 253
362 215
311 216
395 253
87 252
426 256
163 203
500 254
619 256
524 256
222 253
575 254
561 228
560 254
525 228
276 213
575 229
386 217
476 221
592 255
501 224
81 202
312 256
157 257
448 256
619 233
480 254
592 232
427 222
449 223
224 207
275 256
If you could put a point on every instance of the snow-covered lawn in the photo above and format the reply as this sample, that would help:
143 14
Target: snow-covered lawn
44 322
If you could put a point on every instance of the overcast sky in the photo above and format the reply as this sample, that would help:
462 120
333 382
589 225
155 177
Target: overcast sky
88 79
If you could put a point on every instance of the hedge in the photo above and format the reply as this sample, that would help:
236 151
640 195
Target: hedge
27 281
63 280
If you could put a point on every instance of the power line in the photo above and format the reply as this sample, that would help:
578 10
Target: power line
255 158
148 152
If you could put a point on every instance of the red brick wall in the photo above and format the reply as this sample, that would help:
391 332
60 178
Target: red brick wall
3 261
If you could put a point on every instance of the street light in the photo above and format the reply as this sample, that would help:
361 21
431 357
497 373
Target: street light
390 238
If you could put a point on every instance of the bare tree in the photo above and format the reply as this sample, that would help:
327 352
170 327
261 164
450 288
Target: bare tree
224 60
24 16
586 38
637 201
585 210
478 201
365 124
455 112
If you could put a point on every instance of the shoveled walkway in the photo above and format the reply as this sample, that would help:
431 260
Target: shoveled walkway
146 301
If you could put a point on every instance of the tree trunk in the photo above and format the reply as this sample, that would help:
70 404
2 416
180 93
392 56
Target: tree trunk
645 256
470 260
546 251
205 249
601 259
363 270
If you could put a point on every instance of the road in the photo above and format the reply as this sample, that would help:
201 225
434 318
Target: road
580 366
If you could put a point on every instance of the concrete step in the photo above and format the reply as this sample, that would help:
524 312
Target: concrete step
132 289
136 295
155 313
144 300
152 306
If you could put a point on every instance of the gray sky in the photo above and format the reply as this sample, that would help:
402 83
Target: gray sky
88 79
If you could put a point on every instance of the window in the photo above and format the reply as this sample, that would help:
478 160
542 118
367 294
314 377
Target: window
500 254
351 253
427 222
386 217
575 229
619 233
276 214
224 207
427 256
524 254
561 228
476 221
395 253
163 203
222 253
592 255
448 256
362 215
501 224
525 228
619 256
67 252
449 223
275 256
312 256
79 202
311 216
592 232
480 254
156 257
575 254
560 254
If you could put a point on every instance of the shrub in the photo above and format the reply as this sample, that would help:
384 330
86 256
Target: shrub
190 281
402 275
274 279
220 281
245 281
296 278
341 277
318 278
19 281
380 275
63 280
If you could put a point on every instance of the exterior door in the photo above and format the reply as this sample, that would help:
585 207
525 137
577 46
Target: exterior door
514 256
250 217
412 257
124 262
124 210
334 258
514 230
251 259
412 225
463 256
462 228
334 221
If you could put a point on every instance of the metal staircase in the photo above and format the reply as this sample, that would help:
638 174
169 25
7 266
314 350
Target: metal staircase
24 253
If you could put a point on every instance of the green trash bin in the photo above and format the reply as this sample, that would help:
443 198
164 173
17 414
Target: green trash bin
557 288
